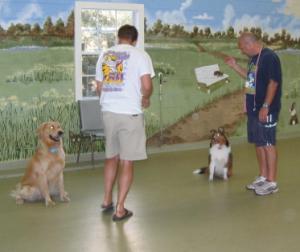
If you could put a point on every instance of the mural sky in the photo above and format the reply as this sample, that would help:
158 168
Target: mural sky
270 15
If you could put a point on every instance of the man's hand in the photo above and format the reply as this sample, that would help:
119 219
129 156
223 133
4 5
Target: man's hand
145 102
98 87
263 114
230 61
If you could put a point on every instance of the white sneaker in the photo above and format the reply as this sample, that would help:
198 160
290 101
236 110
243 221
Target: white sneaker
267 188
259 181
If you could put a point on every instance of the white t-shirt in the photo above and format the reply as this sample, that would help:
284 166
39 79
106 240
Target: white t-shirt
120 69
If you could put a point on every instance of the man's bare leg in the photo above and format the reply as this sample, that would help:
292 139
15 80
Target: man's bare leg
262 161
110 174
124 183
271 156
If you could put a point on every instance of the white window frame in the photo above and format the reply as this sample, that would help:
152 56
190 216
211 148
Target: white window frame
138 22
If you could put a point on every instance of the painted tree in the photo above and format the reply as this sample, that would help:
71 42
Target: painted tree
59 28
177 30
26 29
70 25
207 32
265 38
2 31
201 33
166 29
218 35
36 29
19 29
288 39
145 25
277 37
283 35
195 31
157 27
11 31
230 32
48 28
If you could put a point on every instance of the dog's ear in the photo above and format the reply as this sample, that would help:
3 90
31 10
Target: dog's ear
212 132
39 130
52 119
221 130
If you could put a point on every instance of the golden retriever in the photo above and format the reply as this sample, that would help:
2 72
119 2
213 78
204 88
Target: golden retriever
43 177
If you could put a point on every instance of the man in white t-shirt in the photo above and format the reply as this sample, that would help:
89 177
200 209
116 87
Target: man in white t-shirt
123 76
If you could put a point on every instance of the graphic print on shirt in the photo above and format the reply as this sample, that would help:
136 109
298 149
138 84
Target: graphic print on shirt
250 81
114 68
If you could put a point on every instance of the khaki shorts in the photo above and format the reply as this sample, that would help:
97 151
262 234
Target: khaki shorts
124 136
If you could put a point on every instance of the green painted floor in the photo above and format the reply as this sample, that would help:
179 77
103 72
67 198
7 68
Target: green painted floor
174 210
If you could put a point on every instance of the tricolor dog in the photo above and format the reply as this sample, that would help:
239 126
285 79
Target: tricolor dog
293 113
43 177
220 157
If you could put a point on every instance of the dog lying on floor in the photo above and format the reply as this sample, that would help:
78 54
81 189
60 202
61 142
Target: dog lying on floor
43 177
220 156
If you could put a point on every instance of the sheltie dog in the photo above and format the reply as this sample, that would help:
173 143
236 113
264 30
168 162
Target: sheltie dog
220 157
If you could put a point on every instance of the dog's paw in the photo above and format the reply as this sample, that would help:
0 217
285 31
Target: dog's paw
65 197
49 203
19 201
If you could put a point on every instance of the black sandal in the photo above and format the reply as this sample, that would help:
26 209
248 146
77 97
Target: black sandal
126 215
107 208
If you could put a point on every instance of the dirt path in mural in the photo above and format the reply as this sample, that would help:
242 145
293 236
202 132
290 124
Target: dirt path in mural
225 112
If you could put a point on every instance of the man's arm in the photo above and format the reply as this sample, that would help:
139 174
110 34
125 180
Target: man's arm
146 90
99 87
230 61
271 92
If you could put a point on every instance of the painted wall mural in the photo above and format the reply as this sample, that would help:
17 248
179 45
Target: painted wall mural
37 67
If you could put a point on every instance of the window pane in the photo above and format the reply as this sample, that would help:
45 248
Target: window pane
89 18
90 41
108 21
88 86
89 64
108 40
124 17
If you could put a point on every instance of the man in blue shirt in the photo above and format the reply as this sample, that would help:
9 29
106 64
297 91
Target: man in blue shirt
262 105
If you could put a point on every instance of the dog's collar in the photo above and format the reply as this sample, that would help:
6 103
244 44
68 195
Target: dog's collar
53 150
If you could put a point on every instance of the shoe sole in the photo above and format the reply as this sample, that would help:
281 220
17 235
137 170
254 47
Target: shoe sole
253 187
274 191
126 216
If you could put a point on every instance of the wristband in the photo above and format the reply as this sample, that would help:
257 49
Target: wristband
265 105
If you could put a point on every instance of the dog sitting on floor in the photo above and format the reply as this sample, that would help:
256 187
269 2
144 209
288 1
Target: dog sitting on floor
220 157
293 113
43 177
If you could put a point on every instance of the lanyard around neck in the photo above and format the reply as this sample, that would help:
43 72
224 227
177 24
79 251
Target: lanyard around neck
256 67
255 77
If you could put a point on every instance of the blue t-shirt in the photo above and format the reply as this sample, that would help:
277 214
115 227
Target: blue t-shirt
269 68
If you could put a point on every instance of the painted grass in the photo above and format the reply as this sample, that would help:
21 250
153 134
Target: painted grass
24 61
43 73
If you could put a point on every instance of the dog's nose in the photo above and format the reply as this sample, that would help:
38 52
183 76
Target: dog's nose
60 133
